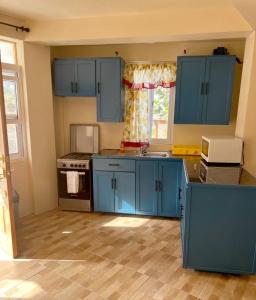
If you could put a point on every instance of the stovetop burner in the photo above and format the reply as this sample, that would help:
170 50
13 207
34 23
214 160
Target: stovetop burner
77 156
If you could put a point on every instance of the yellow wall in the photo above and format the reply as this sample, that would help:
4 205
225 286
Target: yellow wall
246 122
41 144
34 176
83 110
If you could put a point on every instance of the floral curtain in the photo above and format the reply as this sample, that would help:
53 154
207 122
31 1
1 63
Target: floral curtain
137 79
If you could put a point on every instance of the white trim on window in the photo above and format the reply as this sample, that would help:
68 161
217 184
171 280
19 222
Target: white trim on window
17 120
168 140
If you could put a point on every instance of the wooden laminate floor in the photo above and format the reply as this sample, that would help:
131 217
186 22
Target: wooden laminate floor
69 255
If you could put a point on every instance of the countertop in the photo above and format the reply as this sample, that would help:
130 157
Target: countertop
195 168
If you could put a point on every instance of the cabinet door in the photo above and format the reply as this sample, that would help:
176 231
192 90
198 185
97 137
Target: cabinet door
103 188
109 90
64 77
218 89
222 229
85 78
189 90
169 184
124 192
146 192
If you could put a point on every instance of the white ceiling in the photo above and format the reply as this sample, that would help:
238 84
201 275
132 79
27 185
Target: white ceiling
74 9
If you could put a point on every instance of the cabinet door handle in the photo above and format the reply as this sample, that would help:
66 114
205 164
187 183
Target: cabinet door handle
98 86
112 183
156 185
202 88
206 88
72 87
76 87
180 193
181 207
159 186
114 165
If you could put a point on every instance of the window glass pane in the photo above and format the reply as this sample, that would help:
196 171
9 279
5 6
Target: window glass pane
11 99
7 52
160 113
12 138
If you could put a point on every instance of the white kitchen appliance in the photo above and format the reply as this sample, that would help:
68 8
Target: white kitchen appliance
228 174
84 142
222 149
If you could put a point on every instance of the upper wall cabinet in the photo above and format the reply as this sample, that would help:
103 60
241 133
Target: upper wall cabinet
74 77
110 96
204 89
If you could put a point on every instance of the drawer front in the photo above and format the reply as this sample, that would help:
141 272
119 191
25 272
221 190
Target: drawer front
120 165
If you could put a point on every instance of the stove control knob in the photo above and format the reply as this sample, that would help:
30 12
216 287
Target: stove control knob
64 165
71 165
75 165
79 165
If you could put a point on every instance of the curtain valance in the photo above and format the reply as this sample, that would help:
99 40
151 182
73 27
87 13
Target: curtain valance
149 76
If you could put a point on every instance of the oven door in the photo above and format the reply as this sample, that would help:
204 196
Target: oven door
78 201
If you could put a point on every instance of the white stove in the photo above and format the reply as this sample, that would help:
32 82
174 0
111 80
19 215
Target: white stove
84 142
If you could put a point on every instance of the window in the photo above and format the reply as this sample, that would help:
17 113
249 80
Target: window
12 97
159 115
8 52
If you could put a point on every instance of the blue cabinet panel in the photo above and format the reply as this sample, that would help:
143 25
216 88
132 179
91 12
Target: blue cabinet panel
64 77
146 187
222 229
218 90
204 89
189 90
85 77
109 90
169 183
103 191
124 192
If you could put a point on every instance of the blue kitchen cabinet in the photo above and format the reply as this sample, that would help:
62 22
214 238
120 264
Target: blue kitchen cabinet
64 77
85 77
146 187
103 187
157 188
204 89
74 77
124 192
110 95
219 89
189 90
114 185
220 229
168 188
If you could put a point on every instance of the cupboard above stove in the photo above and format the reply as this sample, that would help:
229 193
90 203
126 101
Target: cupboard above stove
92 77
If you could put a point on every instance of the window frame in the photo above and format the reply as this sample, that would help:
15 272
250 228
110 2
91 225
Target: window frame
19 120
14 51
169 139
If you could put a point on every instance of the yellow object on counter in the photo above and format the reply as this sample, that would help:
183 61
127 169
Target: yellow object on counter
186 150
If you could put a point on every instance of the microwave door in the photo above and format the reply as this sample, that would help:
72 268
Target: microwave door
205 148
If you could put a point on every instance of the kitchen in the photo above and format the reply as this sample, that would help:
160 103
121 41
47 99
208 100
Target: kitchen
133 168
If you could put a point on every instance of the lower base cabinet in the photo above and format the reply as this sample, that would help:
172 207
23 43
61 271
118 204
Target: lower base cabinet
157 188
114 192
219 228
147 187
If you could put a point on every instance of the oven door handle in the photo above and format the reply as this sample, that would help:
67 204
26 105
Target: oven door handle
79 173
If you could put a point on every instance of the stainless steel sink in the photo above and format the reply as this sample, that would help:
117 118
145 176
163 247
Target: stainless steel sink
155 154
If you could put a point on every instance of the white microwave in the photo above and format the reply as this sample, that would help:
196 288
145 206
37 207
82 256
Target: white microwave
225 149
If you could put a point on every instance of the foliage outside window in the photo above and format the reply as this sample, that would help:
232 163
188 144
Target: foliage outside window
159 115
12 97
